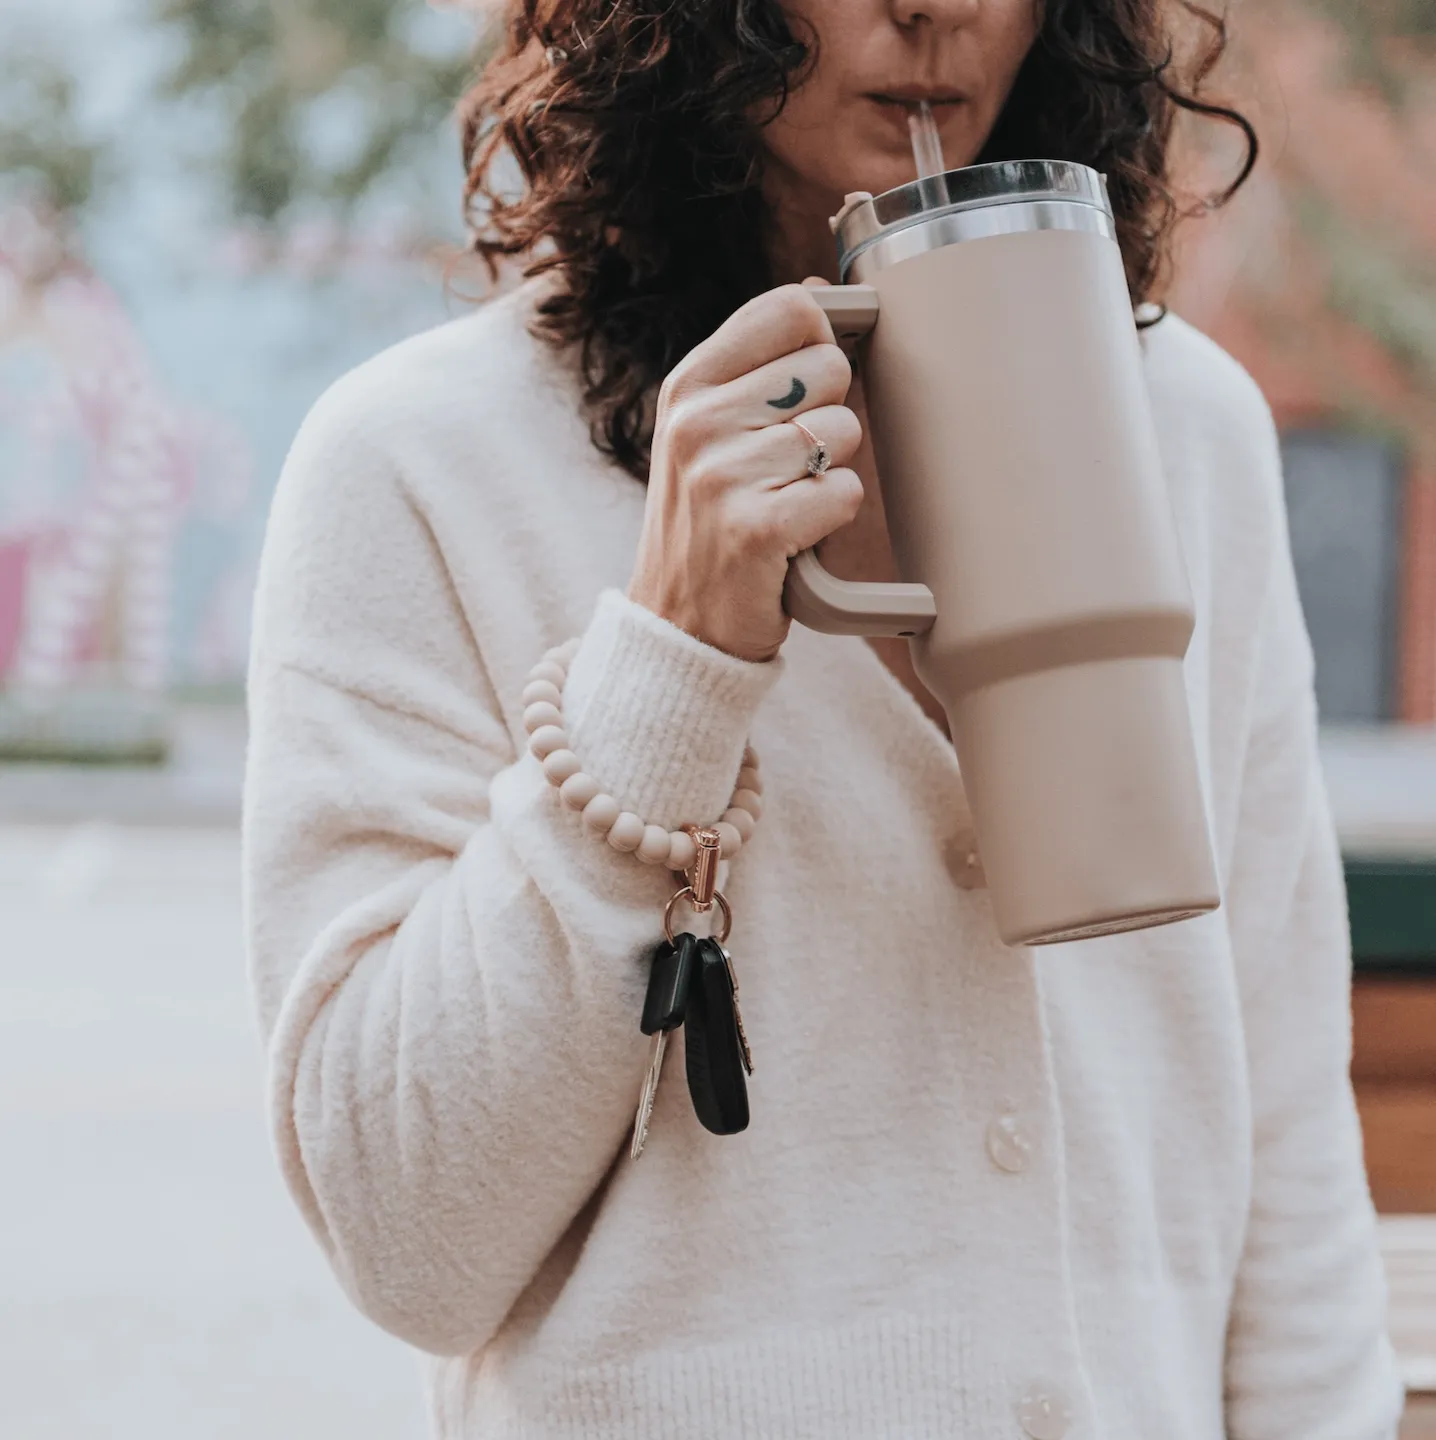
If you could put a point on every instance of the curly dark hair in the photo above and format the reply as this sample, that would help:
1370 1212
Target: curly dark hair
636 126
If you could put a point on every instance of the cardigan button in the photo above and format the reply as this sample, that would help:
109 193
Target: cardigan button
964 864
1044 1414
1007 1144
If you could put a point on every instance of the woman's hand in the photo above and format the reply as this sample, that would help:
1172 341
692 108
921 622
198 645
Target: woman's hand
730 501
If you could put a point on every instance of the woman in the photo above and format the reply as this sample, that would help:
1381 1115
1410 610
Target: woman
1111 1189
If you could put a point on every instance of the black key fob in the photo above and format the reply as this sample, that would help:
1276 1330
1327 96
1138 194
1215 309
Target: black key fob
670 978
712 1050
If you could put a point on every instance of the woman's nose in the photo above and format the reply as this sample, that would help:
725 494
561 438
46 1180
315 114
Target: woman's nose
940 14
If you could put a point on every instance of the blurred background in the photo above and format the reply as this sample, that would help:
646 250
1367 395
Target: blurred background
208 212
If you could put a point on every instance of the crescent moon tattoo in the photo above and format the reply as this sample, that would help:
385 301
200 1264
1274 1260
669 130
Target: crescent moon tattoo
792 398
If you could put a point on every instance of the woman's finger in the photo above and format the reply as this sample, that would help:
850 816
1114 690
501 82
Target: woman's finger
835 427
816 376
809 510
777 454
769 326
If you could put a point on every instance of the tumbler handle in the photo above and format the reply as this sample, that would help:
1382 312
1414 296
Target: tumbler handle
813 596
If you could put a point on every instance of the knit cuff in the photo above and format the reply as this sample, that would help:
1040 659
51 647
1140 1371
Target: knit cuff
658 718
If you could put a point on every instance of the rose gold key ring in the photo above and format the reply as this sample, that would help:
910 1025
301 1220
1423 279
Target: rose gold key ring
686 893
702 891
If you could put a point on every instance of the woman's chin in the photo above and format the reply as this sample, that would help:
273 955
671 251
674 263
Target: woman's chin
887 147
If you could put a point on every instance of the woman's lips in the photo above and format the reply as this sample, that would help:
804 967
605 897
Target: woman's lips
894 115
911 99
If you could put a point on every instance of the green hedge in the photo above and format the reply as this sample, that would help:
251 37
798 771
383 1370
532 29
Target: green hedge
1393 912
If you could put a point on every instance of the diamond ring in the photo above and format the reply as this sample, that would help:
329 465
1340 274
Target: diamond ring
819 457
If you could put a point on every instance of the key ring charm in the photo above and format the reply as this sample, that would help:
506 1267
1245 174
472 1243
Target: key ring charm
691 984
686 893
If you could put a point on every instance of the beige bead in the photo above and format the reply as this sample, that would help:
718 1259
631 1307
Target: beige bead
537 690
546 739
653 848
682 852
560 766
548 670
563 654
741 821
626 833
730 840
541 713
578 790
748 800
750 758
600 813
749 779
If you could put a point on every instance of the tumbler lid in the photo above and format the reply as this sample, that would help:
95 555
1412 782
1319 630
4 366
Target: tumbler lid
865 219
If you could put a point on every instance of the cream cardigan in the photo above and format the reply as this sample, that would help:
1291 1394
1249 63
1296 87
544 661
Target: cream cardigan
1109 1190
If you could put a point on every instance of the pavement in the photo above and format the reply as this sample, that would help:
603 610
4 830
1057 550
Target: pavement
156 1282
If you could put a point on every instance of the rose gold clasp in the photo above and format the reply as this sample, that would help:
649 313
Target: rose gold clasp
703 877
701 892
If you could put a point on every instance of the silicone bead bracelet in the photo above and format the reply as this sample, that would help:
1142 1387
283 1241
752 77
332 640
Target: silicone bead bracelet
625 831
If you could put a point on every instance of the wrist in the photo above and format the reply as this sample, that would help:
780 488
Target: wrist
694 620
659 716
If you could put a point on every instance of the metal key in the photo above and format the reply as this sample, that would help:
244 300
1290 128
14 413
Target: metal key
669 978
664 1005
738 1013
647 1095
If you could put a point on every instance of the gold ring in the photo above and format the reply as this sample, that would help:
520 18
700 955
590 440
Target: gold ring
686 893
819 457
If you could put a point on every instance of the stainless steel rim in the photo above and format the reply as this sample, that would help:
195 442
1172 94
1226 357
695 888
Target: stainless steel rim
972 187
950 227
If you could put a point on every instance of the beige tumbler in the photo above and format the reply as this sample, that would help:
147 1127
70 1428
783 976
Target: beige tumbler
1046 596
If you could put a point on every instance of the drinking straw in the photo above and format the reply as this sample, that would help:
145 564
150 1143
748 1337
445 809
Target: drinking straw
926 142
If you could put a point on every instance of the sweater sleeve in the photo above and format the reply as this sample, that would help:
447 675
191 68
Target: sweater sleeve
1307 1354
448 968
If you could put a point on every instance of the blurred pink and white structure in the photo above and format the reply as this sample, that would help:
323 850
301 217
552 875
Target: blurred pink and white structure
86 568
